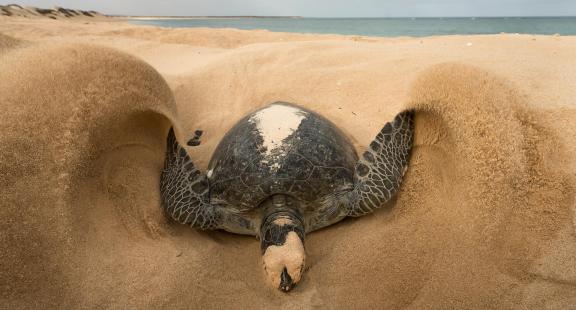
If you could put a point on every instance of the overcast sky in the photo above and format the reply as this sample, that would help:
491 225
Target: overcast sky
318 8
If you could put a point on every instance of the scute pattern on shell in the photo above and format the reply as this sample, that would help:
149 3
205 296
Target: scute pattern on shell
315 164
314 160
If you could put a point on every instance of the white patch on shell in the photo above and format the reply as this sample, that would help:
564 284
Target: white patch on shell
275 123
290 255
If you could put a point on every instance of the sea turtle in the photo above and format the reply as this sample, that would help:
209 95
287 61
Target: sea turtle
280 173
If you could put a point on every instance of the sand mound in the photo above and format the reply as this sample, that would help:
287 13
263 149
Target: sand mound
60 119
478 223
512 190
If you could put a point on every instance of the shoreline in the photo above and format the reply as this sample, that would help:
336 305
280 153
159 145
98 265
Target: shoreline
203 17
127 21
377 27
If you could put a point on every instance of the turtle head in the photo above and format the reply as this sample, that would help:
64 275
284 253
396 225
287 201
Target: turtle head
282 242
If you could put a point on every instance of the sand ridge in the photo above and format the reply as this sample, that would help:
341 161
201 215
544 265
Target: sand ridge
14 10
484 219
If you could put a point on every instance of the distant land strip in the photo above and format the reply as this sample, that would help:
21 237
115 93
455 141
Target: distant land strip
53 13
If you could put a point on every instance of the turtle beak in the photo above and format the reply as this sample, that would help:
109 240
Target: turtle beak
286 283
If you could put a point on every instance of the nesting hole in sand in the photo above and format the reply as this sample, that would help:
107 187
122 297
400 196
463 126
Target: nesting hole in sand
127 158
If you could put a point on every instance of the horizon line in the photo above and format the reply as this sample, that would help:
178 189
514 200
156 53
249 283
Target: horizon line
349 17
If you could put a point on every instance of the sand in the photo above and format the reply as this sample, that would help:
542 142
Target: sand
485 219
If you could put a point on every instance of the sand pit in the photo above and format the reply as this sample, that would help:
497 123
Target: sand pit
484 219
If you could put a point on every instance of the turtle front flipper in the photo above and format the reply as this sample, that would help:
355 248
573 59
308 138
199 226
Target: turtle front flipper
380 170
185 194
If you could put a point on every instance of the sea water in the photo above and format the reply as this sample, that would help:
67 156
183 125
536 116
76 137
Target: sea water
386 27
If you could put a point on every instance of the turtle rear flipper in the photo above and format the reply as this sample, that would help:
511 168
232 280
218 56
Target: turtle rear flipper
185 194
381 168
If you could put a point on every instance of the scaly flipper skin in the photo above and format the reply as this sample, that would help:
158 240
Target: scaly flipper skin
185 195
380 170
184 189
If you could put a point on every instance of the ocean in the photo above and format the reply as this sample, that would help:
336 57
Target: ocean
384 27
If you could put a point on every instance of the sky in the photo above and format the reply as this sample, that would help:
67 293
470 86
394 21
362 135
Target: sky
318 8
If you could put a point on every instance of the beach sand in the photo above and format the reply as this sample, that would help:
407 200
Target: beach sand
485 219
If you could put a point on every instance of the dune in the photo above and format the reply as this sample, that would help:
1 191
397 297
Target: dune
486 216
15 10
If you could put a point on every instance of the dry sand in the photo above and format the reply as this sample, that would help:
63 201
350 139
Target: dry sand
485 218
